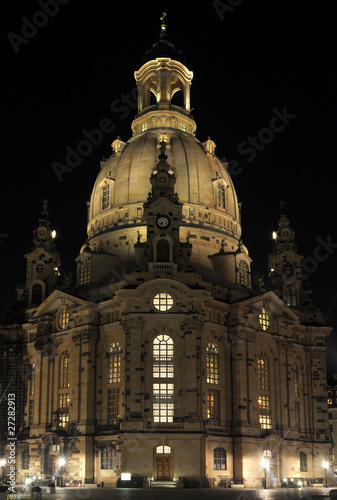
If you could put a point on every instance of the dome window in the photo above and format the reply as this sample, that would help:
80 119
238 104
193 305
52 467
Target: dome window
105 196
209 147
221 195
243 273
183 127
144 127
163 302
117 146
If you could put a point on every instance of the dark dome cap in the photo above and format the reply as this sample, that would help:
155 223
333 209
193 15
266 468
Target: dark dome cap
163 48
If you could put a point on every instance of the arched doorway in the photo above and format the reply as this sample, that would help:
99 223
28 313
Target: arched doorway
164 463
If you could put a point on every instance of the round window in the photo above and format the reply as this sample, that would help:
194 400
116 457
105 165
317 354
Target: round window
39 267
163 301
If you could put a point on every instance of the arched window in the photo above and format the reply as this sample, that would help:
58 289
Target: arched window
114 371
144 127
303 462
64 370
163 369
263 371
264 391
63 318
291 298
160 450
32 379
84 272
163 366
212 364
219 459
25 459
105 196
221 195
264 319
36 293
243 273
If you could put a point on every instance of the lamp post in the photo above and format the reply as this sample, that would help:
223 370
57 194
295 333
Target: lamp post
265 465
61 464
2 465
326 466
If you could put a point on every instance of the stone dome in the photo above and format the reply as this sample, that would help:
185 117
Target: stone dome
210 210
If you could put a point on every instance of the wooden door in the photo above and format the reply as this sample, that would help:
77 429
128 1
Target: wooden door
164 468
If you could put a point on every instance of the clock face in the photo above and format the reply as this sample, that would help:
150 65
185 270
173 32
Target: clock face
163 221
285 234
162 179
42 231
288 269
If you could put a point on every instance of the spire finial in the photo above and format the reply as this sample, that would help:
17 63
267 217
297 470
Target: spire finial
163 24
44 210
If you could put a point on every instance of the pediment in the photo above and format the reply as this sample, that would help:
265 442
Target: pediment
55 301
274 304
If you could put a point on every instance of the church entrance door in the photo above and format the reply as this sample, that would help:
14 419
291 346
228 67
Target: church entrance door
164 468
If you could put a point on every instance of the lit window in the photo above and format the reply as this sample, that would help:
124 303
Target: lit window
303 462
113 404
264 319
212 364
84 272
213 406
64 403
163 402
219 459
163 366
291 299
63 318
183 127
214 317
163 138
25 459
108 458
221 195
263 371
243 273
105 196
31 413
264 410
32 379
64 370
144 127
163 450
163 301
114 372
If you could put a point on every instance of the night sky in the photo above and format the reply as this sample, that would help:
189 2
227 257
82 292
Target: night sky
252 61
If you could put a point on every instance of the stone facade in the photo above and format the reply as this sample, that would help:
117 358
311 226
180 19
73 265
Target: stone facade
164 362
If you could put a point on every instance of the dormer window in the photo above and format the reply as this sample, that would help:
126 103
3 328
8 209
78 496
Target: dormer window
209 147
118 146
221 195
105 196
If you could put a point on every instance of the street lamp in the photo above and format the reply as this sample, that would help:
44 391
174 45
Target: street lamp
2 465
61 464
326 466
265 466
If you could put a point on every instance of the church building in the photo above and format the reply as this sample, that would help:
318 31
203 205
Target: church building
164 362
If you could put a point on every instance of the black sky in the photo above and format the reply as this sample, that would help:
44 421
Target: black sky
258 57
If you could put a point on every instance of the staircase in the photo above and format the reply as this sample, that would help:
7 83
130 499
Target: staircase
156 483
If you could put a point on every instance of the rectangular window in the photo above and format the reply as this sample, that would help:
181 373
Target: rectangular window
303 462
64 403
105 196
214 317
264 409
107 458
163 402
31 413
113 404
25 459
213 406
